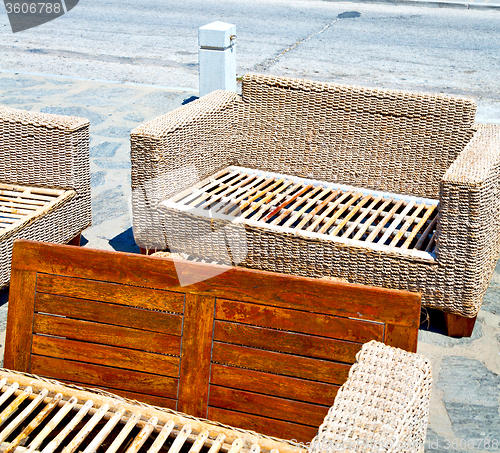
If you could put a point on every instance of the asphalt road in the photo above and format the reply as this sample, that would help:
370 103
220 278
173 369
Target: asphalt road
155 42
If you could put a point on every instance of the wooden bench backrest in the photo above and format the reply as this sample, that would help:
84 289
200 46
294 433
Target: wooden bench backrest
253 349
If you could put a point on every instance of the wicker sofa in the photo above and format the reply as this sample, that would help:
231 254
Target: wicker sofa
44 180
383 406
424 150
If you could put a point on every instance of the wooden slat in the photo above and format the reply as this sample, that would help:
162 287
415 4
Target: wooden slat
20 319
287 291
264 425
372 218
404 337
388 217
362 215
98 354
272 384
195 355
98 375
409 222
421 223
283 341
396 220
426 233
109 292
317 209
267 406
297 321
351 214
278 363
341 210
286 203
170 403
119 315
298 202
309 201
124 337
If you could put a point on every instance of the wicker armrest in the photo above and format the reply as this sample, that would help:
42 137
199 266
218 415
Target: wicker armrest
175 151
186 145
383 406
469 223
41 149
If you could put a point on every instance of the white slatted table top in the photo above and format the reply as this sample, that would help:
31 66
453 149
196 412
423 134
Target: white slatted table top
352 215
22 204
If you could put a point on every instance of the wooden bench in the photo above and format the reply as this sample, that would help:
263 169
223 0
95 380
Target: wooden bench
263 351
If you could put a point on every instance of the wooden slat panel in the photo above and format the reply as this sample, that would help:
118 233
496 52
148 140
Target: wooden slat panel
297 321
267 406
119 315
272 384
195 355
98 354
97 375
20 320
110 292
401 337
169 403
107 334
282 341
264 425
341 299
284 364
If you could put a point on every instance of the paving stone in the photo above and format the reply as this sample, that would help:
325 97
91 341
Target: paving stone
112 165
440 339
118 132
16 101
161 101
94 117
471 393
109 204
16 82
435 443
103 96
104 149
98 178
491 301
38 92
134 117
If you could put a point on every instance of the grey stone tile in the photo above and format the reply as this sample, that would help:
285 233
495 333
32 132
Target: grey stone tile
16 101
435 443
7 83
94 117
137 117
115 132
438 339
109 204
104 149
491 301
38 92
104 96
471 393
161 101
98 178
112 165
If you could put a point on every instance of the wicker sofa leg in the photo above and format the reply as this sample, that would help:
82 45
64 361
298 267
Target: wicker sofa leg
76 240
459 326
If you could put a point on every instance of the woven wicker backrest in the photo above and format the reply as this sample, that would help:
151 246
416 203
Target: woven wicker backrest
44 149
380 139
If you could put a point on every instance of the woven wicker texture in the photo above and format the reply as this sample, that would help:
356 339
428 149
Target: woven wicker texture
51 151
384 381
386 140
385 397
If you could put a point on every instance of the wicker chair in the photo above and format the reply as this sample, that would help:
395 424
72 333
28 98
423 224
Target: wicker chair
422 153
383 406
44 180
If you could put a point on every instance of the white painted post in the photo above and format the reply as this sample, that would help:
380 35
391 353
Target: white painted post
217 57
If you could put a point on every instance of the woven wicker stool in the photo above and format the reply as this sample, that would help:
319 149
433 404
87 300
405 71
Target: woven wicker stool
44 180
384 188
382 407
